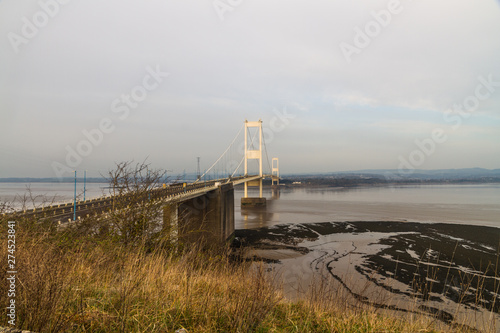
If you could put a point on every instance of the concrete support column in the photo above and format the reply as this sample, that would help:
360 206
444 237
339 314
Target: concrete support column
171 220
207 218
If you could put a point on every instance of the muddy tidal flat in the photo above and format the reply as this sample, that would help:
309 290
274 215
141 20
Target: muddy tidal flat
450 271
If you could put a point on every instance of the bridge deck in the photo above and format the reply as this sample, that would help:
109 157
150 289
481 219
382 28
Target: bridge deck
65 212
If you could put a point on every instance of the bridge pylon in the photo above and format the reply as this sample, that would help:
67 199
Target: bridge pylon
275 178
275 173
253 154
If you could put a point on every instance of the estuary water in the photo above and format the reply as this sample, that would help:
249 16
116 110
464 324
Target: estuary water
16 194
477 204
413 250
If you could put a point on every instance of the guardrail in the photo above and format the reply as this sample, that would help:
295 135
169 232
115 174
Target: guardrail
65 212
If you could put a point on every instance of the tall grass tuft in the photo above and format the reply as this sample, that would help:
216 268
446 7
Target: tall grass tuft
104 286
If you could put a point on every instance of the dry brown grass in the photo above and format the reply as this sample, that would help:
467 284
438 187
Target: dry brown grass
73 283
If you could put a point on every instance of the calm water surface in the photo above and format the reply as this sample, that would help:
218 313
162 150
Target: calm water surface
384 263
14 193
468 204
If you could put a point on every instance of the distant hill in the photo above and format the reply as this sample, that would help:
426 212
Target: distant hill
468 173
391 175
455 175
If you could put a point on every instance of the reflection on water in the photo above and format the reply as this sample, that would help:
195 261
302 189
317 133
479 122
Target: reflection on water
275 193
468 204
257 217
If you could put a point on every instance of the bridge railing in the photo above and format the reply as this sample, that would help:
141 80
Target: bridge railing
65 210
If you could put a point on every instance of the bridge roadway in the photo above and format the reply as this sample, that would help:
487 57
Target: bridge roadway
174 192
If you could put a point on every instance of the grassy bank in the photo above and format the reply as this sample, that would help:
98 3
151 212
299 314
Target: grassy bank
69 281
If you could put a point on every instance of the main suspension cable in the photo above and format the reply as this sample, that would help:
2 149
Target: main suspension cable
208 170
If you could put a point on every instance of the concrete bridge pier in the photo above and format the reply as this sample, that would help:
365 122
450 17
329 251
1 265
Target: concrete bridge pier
253 202
248 202
205 218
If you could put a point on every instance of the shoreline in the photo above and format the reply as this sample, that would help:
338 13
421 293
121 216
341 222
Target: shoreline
440 269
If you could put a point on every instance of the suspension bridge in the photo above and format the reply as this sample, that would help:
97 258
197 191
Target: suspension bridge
207 214
254 152
201 209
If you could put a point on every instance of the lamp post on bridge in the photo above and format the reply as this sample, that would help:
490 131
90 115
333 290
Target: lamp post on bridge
84 184
198 175
74 201
166 178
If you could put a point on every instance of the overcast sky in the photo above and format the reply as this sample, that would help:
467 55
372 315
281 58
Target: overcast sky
339 85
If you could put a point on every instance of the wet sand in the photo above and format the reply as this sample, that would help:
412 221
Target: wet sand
447 270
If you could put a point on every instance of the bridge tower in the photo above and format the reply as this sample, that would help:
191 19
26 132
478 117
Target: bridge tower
275 178
253 154
275 173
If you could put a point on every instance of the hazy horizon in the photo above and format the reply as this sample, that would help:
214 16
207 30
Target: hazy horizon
190 175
